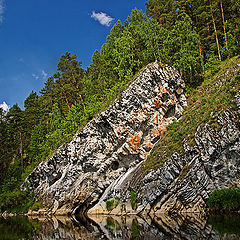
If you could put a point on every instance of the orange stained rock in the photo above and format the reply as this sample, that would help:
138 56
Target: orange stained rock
134 141
162 129
155 132
149 144
132 119
174 97
146 112
164 90
172 101
158 119
157 102
119 129
124 127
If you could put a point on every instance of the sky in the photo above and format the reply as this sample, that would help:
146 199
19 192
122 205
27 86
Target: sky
35 33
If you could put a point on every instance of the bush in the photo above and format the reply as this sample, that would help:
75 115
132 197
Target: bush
225 200
111 204
16 201
36 206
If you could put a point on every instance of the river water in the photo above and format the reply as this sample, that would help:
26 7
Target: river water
113 227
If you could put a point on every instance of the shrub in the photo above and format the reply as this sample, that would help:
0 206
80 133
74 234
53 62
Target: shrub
16 201
111 204
133 200
225 199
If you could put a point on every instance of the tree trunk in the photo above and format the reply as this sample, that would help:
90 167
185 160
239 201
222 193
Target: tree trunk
215 29
224 27
80 96
201 49
68 105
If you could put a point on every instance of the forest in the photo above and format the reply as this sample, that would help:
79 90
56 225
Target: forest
194 36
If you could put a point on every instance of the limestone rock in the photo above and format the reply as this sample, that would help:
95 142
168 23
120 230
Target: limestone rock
112 144
183 183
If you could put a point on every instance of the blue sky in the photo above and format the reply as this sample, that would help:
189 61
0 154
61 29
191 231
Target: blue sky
35 33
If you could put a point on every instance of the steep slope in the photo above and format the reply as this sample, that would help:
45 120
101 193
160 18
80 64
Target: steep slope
111 145
201 154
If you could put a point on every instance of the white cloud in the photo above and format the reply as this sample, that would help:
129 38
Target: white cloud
41 75
35 76
1 11
4 106
102 18
44 74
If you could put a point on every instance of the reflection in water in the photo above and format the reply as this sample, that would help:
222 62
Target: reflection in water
121 227
226 224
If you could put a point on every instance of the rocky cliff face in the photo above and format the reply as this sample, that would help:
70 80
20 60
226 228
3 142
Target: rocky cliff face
101 170
183 183
102 157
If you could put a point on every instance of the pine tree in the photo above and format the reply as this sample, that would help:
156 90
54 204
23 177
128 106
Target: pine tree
70 79
164 11
48 93
16 119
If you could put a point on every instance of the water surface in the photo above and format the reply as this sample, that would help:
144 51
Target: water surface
118 227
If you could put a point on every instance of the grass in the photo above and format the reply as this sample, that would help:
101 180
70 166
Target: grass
184 172
215 95
111 204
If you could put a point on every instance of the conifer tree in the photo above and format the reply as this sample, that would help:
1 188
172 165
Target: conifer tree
16 119
48 93
164 11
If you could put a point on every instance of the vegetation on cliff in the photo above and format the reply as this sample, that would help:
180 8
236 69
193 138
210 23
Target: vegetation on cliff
224 200
180 33
214 95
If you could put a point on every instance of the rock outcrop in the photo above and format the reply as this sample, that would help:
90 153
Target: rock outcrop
108 149
100 171
183 183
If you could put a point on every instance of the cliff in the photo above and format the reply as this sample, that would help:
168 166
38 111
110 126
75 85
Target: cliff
103 170
113 143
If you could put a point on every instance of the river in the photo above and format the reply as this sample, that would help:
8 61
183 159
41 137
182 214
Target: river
119 227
